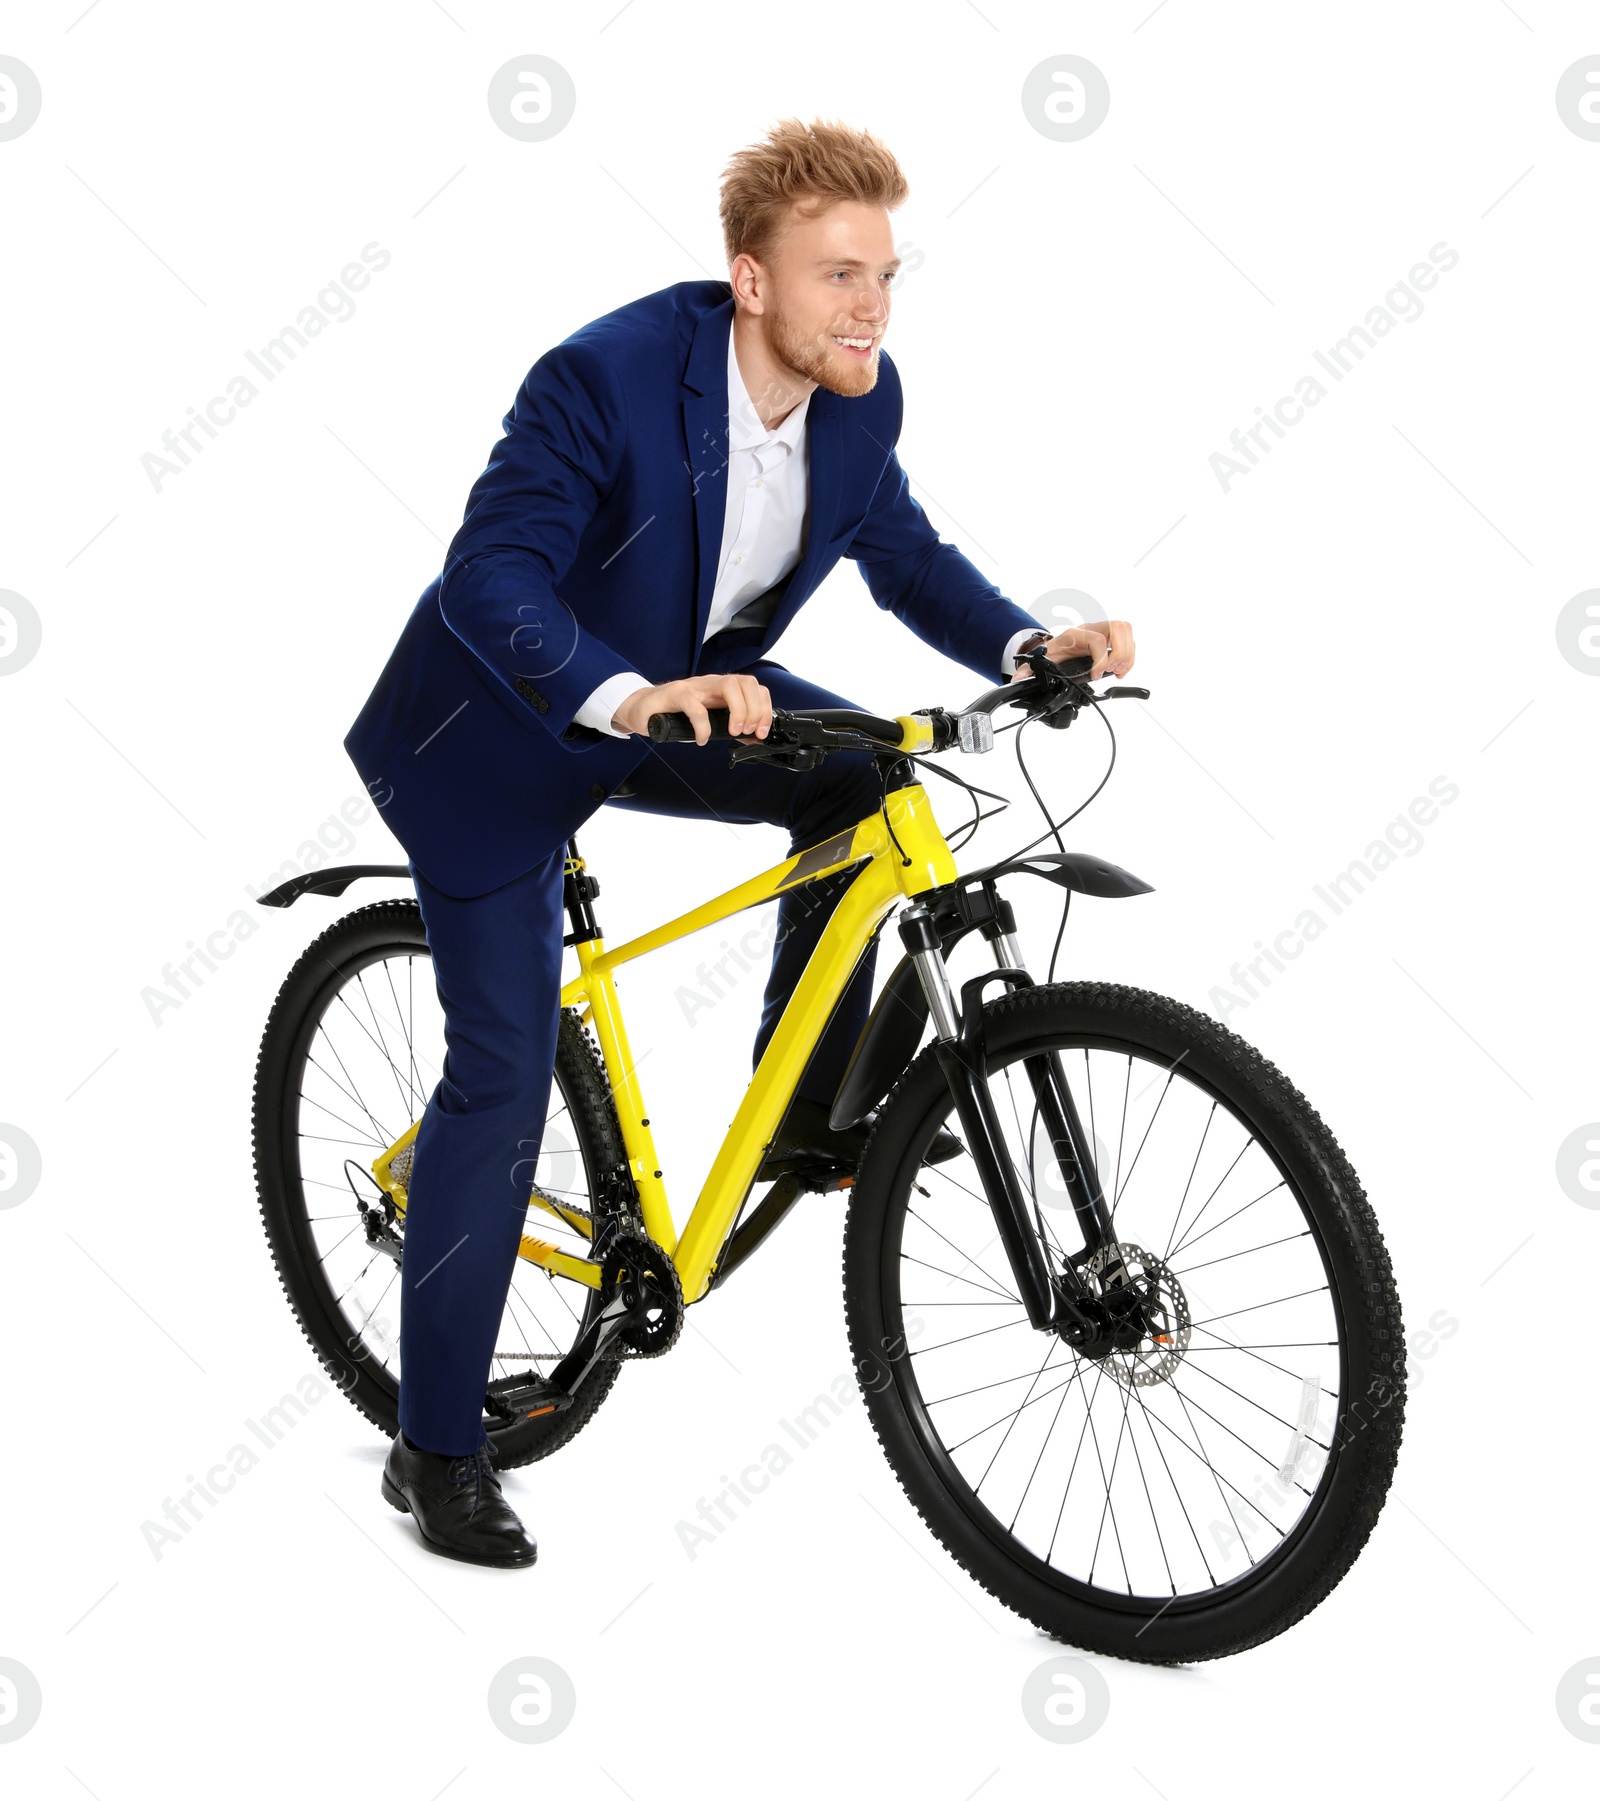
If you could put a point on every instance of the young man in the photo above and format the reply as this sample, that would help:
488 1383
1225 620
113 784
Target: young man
674 480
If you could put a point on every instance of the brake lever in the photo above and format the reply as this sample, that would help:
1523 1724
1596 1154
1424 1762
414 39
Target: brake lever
1060 714
798 744
789 756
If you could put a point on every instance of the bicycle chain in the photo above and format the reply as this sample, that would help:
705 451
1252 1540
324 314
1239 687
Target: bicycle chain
563 1208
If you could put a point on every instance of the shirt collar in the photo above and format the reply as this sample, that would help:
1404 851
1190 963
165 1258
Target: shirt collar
745 429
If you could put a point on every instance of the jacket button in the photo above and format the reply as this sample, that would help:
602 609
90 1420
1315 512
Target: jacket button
596 792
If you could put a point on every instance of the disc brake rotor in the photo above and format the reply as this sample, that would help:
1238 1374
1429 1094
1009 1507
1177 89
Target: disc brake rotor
1167 1337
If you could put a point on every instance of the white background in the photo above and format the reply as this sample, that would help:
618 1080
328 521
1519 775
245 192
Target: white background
1373 607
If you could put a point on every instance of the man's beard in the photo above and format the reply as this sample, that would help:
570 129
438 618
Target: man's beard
816 361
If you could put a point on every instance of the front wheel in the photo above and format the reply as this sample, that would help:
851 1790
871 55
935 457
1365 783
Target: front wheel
1196 1494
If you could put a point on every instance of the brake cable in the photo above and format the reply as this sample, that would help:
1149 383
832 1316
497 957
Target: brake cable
978 814
1053 826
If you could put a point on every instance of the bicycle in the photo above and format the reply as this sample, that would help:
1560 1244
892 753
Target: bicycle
1157 1418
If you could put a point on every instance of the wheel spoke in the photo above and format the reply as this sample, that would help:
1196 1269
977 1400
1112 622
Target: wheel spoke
1174 1249
1183 1199
984 1286
1116 1199
307 1101
1043 1447
399 1087
1107 1481
1055 1345
1288 1238
384 1136
1088 1414
1014 1413
923 1350
1225 1220
969 1261
413 1077
1177 1493
1321 1288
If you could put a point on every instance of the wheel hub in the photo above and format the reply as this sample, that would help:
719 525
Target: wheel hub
1151 1312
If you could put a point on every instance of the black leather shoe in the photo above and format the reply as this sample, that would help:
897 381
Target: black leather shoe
805 1138
457 1504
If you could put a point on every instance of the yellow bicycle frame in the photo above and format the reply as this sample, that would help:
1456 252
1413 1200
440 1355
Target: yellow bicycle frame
904 855
884 881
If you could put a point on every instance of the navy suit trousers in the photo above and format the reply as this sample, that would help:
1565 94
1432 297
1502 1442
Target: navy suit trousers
497 965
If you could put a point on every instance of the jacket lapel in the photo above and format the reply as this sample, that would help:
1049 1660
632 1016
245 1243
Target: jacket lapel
705 433
705 430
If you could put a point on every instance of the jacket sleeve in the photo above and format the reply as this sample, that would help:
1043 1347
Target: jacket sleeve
526 514
927 584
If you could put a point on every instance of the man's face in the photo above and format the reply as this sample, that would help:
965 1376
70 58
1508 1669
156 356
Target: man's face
825 296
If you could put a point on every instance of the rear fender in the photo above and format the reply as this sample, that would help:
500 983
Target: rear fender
328 881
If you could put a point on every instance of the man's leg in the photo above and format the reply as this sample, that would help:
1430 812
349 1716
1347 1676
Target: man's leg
497 966
694 781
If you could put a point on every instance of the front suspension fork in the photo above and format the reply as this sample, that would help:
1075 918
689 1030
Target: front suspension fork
960 1049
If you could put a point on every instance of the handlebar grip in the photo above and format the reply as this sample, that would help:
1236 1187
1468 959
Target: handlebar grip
678 728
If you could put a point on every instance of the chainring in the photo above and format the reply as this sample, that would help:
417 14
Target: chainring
638 1267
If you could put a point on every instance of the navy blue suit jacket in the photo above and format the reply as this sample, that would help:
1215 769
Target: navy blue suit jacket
589 547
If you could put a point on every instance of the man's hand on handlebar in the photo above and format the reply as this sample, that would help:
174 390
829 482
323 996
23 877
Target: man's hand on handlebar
1108 641
749 705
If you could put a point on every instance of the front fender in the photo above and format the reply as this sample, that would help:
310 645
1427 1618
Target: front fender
895 1025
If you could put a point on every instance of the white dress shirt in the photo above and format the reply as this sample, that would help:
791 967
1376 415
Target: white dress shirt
763 525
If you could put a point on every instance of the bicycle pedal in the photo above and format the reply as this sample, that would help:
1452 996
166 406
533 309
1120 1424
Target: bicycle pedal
823 1178
525 1397
804 1166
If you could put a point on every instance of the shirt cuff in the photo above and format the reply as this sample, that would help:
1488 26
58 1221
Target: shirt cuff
596 711
1016 639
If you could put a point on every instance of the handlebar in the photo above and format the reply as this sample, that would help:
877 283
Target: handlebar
1054 692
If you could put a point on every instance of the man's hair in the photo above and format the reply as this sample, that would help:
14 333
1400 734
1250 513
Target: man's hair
807 167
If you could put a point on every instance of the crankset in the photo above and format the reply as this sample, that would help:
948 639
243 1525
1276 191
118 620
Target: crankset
644 1277
640 1315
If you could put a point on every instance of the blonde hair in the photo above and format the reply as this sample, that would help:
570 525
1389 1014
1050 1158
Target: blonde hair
807 167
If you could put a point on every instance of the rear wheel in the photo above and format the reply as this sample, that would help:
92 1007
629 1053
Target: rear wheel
352 1050
1201 1492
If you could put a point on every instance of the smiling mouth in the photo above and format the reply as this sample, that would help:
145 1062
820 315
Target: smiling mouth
858 347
